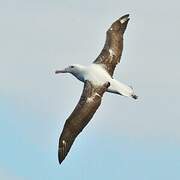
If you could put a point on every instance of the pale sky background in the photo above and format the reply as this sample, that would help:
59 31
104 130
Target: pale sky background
126 139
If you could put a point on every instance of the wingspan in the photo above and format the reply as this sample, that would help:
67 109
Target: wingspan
88 104
112 51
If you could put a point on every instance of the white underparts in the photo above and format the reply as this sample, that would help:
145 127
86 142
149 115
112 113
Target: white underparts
98 76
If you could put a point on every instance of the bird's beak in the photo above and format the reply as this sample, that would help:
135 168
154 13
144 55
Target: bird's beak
60 71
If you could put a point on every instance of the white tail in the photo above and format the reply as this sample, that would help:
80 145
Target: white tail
122 89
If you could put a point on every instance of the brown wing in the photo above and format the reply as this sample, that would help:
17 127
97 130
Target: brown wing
112 51
88 104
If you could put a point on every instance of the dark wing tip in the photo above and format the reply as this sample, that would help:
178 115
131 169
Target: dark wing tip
65 142
60 158
63 150
61 153
124 21
125 16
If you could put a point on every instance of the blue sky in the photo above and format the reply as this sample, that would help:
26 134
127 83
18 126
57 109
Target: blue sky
125 139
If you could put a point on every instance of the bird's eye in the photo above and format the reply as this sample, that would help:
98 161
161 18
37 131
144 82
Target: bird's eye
71 66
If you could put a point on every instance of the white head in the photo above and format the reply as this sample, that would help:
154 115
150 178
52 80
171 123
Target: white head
75 69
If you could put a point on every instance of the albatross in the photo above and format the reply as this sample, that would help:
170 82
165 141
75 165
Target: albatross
97 78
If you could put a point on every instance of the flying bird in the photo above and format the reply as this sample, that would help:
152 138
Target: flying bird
97 78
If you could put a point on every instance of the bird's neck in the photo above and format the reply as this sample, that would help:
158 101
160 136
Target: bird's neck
80 73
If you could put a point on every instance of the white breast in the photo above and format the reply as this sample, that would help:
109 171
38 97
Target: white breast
97 75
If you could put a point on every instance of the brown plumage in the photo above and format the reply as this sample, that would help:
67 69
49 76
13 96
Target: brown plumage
91 96
88 104
114 42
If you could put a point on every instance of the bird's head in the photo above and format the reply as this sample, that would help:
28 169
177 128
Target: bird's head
69 69
75 69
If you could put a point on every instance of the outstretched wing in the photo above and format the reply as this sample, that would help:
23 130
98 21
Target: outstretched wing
88 104
112 51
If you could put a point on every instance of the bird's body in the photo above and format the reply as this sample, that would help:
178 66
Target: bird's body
97 78
96 74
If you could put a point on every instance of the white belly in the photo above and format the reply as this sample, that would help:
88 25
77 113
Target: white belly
98 76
